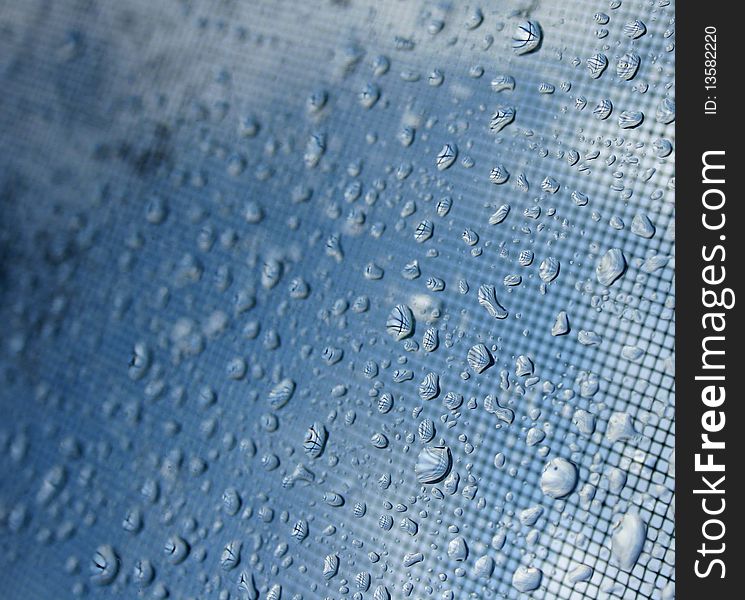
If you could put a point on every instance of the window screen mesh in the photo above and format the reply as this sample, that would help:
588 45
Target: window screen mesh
210 212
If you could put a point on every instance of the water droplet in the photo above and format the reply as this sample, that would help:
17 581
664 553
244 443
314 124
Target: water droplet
526 579
611 266
559 478
527 37
488 299
446 157
400 323
628 540
433 464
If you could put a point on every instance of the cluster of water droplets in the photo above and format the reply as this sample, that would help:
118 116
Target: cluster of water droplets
378 313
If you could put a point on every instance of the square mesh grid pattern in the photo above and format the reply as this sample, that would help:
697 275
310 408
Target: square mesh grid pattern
162 157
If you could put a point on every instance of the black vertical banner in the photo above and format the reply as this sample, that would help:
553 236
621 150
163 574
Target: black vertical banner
710 439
